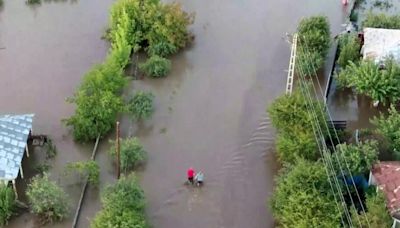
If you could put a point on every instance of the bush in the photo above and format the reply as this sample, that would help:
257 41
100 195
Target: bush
296 144
367 78
382 21
123 206
349 50
7 204
87 169
360 158
389 128
141 105
303 197
47 199
376 213
132 153
156 66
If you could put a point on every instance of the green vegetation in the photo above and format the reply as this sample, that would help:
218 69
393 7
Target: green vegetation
377 213
381 20
290 116
369 79
123 206
47 199
389 128
7 204
86 169
303 197
132 153
314 42
360 158
141 105
156 66
349 48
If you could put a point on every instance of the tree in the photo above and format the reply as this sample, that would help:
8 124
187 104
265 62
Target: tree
349 50
292 111
156 66
360 158
389 128
7 204
123 206
369 79
47 199
303 197
296 144
87 169
377 212
132 153
141 105
381 20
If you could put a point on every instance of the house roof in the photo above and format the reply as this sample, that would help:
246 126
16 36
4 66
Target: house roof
380 44
387 177
14 132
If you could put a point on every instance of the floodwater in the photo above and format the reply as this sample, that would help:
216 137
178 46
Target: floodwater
210 111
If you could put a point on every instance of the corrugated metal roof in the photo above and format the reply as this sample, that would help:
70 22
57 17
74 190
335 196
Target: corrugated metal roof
14 132
380 44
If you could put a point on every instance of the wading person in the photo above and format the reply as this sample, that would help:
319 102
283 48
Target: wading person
190 175
199 178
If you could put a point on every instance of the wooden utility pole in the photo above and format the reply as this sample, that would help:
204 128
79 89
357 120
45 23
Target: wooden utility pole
117 152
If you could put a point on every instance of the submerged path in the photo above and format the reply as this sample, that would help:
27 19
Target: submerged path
211 113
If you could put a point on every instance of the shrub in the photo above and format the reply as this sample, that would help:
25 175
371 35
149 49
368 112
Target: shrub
303 197
308 63
349 50
123 206
296 144
359 158
132 153
47 199
389 128
7 204
88 169
156 66
381 20
141 105
367 78
377 212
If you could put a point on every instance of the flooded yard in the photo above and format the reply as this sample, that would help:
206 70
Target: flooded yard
210 111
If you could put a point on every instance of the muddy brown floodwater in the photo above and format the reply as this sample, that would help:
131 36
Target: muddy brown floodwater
210 111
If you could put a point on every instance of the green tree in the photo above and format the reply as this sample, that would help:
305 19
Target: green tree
141 105
132 153
377 213
367 78
86 169
381 20
303 197
389 128
123 206
296 144
349 50
360 158
156 66
47 199
7 204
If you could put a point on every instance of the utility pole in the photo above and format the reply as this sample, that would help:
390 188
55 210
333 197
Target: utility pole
117 152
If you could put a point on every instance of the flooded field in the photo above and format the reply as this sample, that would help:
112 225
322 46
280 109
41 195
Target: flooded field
210 111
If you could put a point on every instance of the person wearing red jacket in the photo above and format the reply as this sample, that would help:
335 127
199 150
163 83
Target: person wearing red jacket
190 175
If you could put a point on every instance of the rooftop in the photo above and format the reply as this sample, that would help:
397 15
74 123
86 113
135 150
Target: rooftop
14 132
380 44
387 178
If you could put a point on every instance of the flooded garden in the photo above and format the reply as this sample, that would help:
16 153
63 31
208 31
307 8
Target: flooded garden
209 111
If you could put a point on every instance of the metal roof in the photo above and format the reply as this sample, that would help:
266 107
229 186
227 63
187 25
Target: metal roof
14 132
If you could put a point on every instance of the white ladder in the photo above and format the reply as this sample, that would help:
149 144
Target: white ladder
289 82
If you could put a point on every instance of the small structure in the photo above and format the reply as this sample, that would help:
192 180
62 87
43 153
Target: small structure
380 44
14 133
386 176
